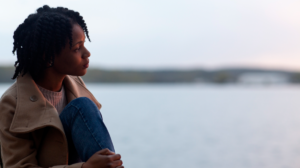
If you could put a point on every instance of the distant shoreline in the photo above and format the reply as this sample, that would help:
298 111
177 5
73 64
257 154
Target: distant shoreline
218 76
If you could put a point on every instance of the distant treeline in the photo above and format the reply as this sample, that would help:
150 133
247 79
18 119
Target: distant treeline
165 76
179 76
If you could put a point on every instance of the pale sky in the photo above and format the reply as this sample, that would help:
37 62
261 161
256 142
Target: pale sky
176 33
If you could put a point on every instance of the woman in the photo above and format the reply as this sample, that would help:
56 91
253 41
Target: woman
48 117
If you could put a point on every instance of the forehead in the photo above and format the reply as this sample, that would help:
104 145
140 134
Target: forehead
77 33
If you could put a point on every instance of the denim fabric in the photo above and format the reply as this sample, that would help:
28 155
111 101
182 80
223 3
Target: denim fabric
84 128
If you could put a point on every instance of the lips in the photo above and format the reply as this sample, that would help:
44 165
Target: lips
86 65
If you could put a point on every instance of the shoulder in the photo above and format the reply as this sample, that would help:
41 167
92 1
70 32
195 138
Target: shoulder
8 103
9 97
10 92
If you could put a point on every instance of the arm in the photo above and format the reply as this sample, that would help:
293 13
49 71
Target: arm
1 164
18 149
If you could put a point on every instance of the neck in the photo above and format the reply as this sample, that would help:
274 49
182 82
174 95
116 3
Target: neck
51 81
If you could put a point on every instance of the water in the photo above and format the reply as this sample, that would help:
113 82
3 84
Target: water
202 126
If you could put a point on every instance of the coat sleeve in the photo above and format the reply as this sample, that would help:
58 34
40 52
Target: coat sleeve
18 150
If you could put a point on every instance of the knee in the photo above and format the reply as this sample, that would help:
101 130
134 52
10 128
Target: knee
86 106
83 102
72 109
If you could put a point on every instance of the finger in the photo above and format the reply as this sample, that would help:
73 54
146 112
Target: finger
117 163
115 157
105 152
111 153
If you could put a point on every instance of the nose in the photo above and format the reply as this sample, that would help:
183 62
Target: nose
86 54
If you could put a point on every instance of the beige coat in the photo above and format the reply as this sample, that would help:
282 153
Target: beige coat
31 133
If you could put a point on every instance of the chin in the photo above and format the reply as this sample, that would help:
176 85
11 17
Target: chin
81 73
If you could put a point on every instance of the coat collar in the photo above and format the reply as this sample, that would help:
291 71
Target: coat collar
33 111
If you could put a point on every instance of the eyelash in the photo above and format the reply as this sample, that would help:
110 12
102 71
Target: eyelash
77 49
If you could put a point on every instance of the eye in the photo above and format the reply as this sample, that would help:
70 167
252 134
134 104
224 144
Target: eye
77 49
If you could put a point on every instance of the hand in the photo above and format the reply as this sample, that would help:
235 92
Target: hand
104 159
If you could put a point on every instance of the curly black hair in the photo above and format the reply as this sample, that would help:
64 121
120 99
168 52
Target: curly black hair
41 36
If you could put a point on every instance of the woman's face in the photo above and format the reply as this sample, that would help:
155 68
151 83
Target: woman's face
74 61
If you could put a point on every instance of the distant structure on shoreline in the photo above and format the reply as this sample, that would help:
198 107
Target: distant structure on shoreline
263 78
220 76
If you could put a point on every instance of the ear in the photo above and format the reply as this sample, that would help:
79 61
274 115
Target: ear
48 63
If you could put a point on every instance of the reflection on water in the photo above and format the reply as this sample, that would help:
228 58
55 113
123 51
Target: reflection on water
180 126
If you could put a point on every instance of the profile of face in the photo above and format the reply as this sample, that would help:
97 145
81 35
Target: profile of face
74 60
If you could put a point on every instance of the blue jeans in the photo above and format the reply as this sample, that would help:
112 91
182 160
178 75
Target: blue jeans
84 128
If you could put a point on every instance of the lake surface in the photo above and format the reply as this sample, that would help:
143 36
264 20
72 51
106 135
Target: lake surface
202 126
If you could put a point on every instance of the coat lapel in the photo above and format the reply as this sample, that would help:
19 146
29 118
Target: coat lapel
75 88
33 111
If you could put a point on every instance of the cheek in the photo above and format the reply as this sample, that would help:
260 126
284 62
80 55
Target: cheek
68 64
72 59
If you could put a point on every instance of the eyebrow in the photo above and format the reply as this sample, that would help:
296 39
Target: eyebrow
77 43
